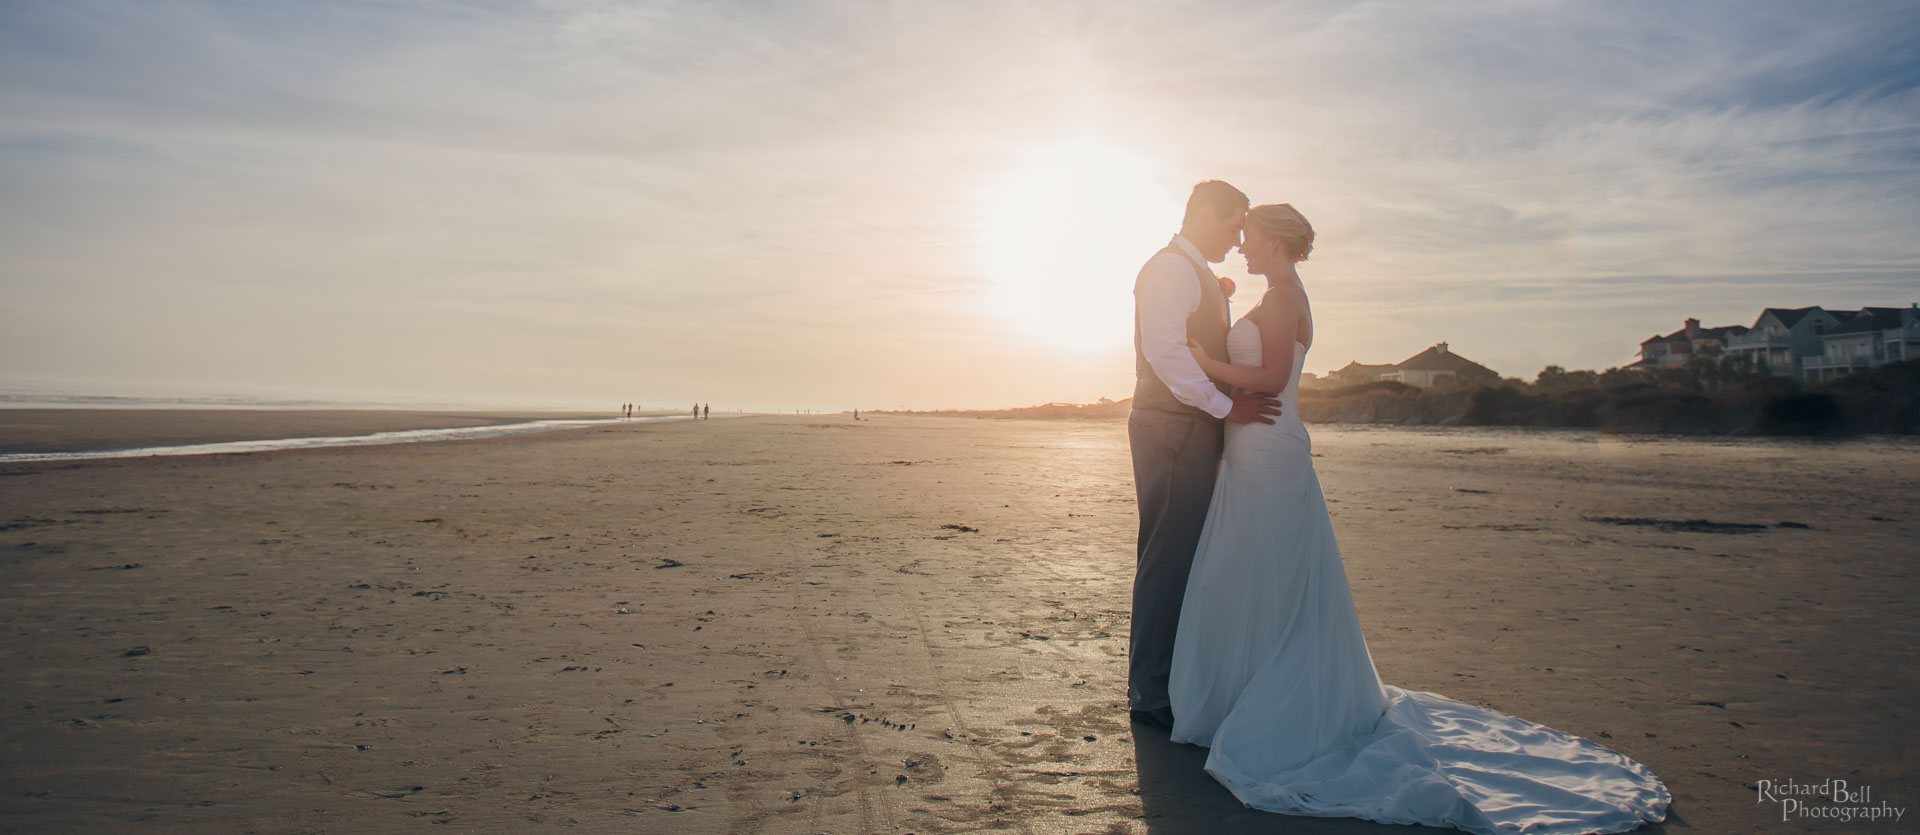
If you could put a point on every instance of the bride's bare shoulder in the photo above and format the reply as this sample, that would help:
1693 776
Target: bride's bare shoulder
1282 300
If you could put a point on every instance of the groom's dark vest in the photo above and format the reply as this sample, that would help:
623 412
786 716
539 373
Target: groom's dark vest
1207 325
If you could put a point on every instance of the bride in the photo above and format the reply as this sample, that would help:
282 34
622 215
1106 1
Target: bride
1270 669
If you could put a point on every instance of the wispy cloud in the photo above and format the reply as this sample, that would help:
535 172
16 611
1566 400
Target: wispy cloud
769 203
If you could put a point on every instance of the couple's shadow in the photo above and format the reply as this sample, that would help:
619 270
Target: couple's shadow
1178 797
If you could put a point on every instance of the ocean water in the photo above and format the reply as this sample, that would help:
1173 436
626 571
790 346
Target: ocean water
35 399
408 436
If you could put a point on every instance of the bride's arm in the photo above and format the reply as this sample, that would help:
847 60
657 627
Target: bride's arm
1278 323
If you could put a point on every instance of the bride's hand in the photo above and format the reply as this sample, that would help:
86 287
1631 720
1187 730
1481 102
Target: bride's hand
1199 355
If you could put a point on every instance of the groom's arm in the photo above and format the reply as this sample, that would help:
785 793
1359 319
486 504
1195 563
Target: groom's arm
1166 294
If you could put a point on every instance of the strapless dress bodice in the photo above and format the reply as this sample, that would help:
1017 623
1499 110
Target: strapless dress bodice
1244 349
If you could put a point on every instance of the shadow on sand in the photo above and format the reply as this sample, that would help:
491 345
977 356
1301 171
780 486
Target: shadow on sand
1178 797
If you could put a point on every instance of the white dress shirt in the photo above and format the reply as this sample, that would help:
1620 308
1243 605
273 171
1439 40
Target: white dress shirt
1165 295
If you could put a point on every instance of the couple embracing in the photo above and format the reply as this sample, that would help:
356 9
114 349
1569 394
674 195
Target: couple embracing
1245 639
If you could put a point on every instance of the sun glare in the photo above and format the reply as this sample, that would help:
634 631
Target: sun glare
1064 231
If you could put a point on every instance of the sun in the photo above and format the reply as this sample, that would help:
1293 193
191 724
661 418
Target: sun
1064 231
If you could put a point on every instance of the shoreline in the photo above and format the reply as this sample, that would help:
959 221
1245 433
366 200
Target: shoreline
1587 434
29 435
103 430
409 436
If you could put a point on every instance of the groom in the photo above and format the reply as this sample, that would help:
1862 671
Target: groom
1175 427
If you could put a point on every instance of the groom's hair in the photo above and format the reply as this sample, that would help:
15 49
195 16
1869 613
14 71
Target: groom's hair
1217 198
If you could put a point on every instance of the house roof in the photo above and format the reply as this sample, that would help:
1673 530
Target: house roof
1881 318
1360 366
1788 316
1852 327
1867 320
1705 333
1433 359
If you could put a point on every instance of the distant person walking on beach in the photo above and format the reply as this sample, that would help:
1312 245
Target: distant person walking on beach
706 412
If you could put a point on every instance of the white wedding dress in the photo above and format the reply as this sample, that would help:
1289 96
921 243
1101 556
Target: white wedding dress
1271 672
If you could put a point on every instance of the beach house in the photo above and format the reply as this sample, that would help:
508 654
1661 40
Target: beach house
1863 339
1813 343
1355 373
1680 347
1782 338
1421 370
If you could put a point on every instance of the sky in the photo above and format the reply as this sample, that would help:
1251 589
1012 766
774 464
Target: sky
877 205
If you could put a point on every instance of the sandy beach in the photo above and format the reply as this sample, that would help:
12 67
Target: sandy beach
899 625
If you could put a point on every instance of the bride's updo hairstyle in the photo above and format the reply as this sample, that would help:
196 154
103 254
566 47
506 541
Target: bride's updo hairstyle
1283 222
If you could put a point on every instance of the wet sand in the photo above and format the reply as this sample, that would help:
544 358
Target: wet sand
807 624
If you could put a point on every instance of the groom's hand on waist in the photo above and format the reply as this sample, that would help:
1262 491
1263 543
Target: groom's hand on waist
1253 407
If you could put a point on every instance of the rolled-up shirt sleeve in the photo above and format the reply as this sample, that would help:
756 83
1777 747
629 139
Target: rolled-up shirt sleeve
1164 296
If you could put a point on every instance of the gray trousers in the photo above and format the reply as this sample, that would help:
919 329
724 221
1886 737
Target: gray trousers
1175 458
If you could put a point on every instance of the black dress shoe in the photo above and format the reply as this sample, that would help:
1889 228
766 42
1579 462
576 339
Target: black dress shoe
1151 719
